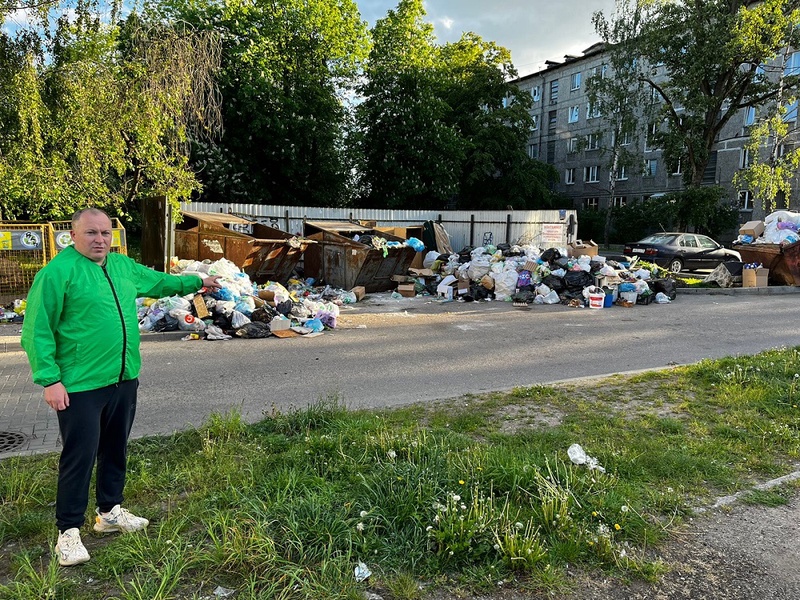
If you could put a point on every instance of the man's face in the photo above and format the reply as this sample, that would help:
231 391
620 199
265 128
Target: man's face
92 236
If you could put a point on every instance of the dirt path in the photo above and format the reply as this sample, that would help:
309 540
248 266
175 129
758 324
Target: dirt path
741 552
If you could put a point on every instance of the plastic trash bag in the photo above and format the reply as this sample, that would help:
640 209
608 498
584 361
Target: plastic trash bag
239 320
315 325
579 457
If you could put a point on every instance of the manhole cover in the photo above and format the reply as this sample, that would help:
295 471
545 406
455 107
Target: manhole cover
9 440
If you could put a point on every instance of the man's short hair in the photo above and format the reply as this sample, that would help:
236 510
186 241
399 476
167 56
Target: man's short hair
95 211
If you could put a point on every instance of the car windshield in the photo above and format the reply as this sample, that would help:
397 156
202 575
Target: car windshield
658 238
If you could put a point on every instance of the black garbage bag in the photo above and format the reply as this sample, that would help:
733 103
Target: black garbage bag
550 255
554 282
253 330
577 280
265 314
284 307
667 286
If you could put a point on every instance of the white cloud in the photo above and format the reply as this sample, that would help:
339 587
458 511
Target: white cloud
532 31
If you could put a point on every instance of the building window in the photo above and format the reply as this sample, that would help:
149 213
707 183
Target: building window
572 145
569 176
593 141
592 111
650 167
536 92
554 91
622 173
591 203
651 140
574 112
590 174
745 200
534 122
791 112
749 116
620 201
533 150
552 120
575 81
598 72
792 65
745 160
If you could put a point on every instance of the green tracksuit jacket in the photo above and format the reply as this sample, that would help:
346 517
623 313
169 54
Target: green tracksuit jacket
81 326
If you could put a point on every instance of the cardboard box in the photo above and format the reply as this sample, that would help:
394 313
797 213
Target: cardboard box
406 290
360 291
752 228
755 277
579 248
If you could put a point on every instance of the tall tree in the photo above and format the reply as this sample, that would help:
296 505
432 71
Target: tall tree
410 154
491 115
774 163
93 117
288 68
616 93
710 52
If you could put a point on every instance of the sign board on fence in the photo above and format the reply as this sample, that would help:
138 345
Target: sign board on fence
21 239
553 232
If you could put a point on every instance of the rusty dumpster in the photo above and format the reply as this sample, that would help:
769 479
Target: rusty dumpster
340 261
261 251
783 262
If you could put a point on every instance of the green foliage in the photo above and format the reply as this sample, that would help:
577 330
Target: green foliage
99 113
441 125
711 53
287 72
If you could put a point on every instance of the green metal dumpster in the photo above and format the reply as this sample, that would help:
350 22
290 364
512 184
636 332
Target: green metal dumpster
343 262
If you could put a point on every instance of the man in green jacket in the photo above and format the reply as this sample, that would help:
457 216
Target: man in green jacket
81 335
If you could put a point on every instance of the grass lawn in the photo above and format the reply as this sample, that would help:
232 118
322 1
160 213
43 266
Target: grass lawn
462 495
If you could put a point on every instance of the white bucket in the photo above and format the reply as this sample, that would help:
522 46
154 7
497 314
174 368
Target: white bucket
629 296
596 299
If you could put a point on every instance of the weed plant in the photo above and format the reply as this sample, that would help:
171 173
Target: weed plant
467 494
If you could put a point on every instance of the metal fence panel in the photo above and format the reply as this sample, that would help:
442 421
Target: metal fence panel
544 228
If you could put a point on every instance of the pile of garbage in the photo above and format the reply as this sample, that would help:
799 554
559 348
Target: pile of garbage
780 227
240 308
13 312
525 274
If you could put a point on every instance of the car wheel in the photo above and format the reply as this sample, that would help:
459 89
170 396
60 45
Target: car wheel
675 265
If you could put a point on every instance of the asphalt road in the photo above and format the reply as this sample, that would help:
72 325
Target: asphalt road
391 352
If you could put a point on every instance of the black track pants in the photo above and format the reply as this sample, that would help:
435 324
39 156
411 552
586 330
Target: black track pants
95 426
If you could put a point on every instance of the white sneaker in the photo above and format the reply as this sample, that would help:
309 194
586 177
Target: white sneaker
118 519
70 548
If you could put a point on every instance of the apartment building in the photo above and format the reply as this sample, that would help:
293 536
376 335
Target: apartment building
568 134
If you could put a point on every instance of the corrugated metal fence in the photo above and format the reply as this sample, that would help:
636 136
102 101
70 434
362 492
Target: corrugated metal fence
543 228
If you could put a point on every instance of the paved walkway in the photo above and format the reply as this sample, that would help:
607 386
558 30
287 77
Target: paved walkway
25 418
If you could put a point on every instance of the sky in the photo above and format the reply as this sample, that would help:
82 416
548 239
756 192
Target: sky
533 30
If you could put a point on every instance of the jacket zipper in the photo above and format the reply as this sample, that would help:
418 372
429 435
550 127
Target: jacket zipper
121 319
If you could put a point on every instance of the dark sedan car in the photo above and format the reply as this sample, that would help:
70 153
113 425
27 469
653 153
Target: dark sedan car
681 251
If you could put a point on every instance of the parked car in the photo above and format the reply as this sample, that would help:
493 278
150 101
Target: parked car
681 251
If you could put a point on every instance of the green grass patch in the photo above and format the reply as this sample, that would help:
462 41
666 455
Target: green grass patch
468 494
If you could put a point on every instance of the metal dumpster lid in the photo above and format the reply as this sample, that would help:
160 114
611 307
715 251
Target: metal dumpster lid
211 217
339 226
